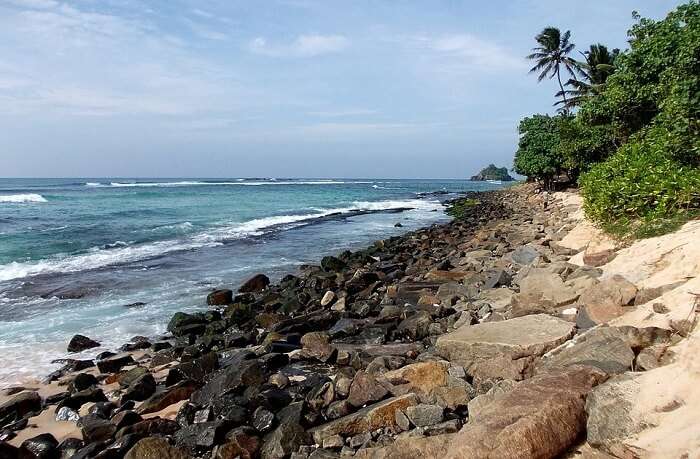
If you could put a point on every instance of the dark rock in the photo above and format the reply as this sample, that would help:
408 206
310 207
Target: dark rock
68 447
94 428
43 446
156 402
103 409
154 426
80 343
114 364
263 419
82 381
56 398
78 399
181 319
119 447
332 264
8 451
200 437
255 284
20 406
196 369
248 373
104 355
141 388
415 327
125 418
220 297
283 441
291 414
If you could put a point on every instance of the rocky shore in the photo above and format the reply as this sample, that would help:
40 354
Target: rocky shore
515 331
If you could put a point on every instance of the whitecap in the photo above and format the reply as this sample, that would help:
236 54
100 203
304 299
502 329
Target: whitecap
30 197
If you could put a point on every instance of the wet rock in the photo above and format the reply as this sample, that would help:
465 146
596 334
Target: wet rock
196 369
80 343
263 419
68 447
66 414
332 264
95 429
283 441
255 284
78 399
8 451
247 373
125 418
201 436
43 446
220 297
158 401
114 364
20 406
365 389
424 415
153 426
140 389
82 381
155 447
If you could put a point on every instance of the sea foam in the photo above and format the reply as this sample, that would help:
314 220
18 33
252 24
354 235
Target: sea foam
30 197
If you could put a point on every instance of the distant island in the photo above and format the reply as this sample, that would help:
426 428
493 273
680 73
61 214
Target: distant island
493 173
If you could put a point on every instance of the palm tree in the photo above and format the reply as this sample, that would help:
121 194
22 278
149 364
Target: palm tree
552 54
598 66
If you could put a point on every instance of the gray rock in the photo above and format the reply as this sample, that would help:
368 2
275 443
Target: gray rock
263 419
283 441
424 415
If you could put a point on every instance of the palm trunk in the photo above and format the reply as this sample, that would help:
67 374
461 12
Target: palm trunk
563 94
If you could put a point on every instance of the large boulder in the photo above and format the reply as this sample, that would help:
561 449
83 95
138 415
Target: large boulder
539 282
539 418
247 373
255 284
220 297
605 301
603 347
80 343
420 377
503 349
22 405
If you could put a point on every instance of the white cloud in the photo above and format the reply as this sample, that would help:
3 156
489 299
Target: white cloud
463 53
302 46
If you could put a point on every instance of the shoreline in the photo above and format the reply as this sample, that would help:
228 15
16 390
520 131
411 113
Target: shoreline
416 343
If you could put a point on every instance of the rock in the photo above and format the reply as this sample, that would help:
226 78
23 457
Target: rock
196 370
43 446
201 436
454 398
125 418
358 441
95 429
155 448
415 327
181 319
541 417
409 448
477 404
365 389
317 344
402 421
283 441
333 442
114 364
68 447
66 414
247 373
82 381
524 255
420 377
604 301
255 284
263 419
140 389
443 428
332 264
80 343
220 297
550 286
78 399
328 298
20 406
503 349
158 401
379 415
603 347
424 415
241 444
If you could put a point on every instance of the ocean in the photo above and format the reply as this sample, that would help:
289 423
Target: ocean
115 258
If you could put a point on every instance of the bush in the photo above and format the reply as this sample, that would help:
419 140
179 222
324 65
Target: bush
641 190
537 156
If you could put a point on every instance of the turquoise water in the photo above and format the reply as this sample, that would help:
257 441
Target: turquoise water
75 252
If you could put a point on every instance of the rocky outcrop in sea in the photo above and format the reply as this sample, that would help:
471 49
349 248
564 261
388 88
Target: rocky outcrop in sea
490 336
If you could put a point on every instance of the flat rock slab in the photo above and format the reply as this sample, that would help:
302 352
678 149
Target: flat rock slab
603 347
513 339
550 286
373 417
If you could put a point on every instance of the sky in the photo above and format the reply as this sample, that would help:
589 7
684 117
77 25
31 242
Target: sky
279 88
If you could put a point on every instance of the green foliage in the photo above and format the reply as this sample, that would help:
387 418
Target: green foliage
537 156
582 145
460 208
650 106
491 172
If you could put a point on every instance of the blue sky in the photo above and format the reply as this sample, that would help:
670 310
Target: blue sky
279 88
